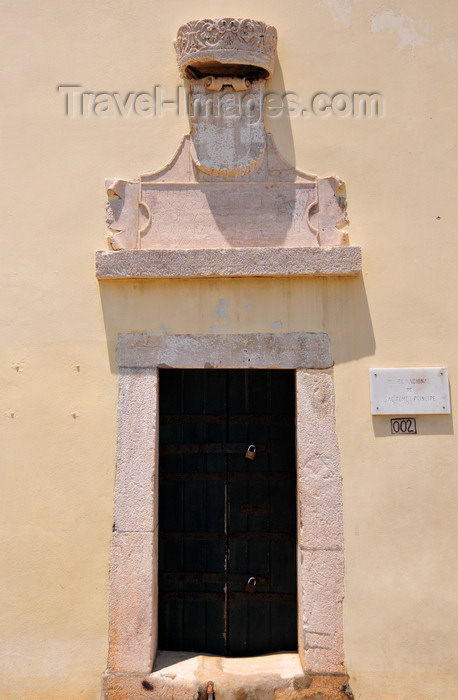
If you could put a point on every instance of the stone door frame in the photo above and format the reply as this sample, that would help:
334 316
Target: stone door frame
320 554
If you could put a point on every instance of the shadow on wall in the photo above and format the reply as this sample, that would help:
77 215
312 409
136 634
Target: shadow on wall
279 123
426 425
336 306
277 118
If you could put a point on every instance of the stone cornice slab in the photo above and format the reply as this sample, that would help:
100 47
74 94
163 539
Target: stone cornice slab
341 261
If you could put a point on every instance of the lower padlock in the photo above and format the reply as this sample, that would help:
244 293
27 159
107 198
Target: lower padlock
251 452
250 585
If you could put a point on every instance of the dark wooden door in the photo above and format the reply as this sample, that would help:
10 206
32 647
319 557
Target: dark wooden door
224 518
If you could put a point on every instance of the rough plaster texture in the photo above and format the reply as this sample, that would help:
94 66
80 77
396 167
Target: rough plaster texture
133 603
245 350
233 262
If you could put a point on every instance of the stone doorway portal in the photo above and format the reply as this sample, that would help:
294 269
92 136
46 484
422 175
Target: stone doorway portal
227 521
319 544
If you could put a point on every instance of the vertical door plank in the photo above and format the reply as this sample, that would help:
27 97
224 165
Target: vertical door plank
190 619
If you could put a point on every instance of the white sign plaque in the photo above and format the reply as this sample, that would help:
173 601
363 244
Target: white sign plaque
409 391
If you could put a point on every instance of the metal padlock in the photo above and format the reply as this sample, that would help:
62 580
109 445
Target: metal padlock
251 452
250 584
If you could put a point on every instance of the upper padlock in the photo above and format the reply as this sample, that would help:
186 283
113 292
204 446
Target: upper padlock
251 452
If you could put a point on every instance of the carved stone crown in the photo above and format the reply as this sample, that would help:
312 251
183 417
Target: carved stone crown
221 45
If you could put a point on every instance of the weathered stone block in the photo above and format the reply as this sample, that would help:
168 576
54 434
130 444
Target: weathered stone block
233 262
318 465
244 350
137 451
133 601
320 609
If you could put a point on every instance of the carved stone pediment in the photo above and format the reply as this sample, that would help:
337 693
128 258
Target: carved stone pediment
276 206
227 187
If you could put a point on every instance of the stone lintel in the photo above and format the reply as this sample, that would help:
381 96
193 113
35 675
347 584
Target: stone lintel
257 350
341 261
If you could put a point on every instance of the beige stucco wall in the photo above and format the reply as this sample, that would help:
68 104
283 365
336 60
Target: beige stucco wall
58 373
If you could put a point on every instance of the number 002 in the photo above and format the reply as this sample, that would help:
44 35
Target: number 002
403 425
